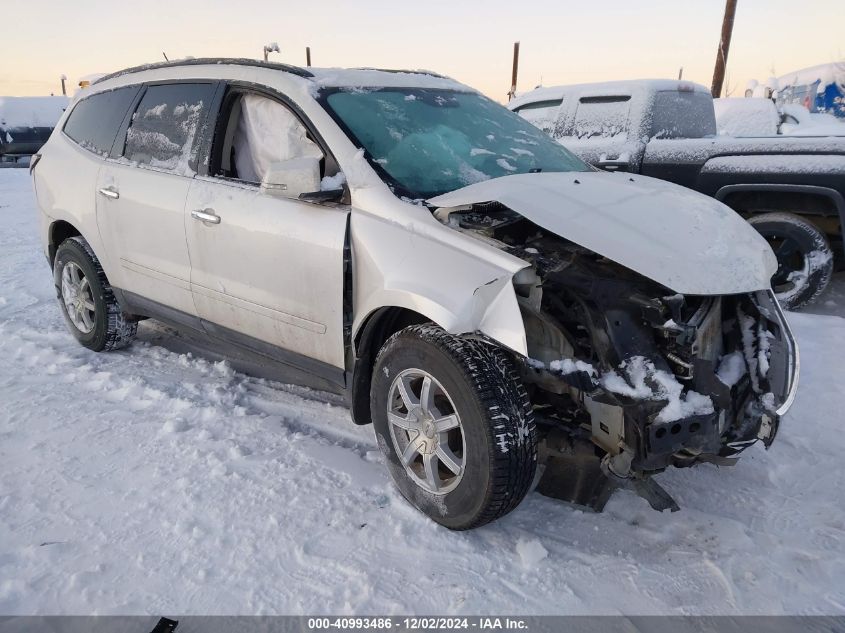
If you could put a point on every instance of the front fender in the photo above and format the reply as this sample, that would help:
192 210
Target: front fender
461 284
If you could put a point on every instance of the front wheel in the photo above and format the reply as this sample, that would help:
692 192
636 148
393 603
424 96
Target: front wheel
88 304
455 425
805 259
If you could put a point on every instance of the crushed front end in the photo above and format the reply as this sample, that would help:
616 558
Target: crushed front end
627 377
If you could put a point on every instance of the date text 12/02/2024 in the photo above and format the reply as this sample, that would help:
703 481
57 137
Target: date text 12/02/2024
417 623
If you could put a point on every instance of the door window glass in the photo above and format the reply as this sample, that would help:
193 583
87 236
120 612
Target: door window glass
164 128
94 121
683 114
602 117
543 114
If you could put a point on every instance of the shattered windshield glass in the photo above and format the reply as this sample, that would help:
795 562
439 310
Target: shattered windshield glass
425 142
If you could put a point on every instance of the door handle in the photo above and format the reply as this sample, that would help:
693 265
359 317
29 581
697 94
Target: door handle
109 192
206 216
613 165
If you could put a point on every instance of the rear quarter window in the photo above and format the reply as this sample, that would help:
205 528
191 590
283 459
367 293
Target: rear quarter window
542 114
94 121
163 132
602 117
683 114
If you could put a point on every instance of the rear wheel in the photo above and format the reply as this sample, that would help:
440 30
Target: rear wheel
805 259
455 425
90 309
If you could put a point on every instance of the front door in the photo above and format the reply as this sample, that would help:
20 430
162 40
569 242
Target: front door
267 271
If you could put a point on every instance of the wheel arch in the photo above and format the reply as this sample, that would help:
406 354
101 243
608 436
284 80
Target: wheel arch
492 319
825 206
378 326
58 232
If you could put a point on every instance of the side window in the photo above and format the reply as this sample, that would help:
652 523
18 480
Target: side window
94 121
683 114
261 131
602 117
542 114
165 125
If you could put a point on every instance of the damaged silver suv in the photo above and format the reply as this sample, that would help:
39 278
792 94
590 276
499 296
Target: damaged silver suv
487 300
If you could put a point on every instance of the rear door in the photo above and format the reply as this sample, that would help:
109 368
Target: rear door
683 124
267 272
600 133
141 194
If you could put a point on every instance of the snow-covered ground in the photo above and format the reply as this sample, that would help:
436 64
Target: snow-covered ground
152 481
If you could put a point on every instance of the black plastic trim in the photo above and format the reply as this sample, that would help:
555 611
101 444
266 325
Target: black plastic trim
136 305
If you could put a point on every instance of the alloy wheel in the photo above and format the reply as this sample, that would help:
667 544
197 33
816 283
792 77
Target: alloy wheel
78 298
426 431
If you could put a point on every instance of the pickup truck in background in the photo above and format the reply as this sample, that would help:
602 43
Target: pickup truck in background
792 189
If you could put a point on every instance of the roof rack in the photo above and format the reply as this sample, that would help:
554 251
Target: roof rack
206 61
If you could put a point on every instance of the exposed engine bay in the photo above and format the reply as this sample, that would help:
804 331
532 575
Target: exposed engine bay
628 377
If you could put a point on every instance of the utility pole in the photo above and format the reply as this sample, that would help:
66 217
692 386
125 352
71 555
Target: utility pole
724 46
515 71
681 73
63 77
307 55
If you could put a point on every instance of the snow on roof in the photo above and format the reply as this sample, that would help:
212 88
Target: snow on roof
826 74
606 88
379 78
31 111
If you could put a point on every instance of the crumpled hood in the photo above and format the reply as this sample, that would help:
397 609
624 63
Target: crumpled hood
681 239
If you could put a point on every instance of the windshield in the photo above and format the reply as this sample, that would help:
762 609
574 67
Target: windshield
426 142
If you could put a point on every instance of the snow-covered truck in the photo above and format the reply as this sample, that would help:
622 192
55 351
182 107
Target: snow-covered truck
790 189
759 116
819 89
26 123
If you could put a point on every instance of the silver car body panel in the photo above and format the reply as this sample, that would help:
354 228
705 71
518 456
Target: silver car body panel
681 239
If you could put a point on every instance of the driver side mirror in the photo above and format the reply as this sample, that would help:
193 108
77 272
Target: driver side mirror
293 177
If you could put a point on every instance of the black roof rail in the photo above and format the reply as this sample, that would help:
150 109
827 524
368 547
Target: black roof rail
209 61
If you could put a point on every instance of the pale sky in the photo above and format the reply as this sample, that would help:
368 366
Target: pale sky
471 40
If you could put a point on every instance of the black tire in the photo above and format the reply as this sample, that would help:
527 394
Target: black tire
496 416
111 328
805 259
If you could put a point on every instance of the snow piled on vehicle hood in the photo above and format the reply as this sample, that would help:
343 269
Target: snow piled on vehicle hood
681 239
